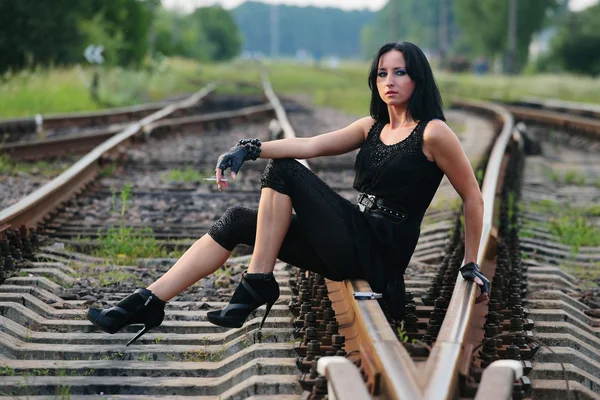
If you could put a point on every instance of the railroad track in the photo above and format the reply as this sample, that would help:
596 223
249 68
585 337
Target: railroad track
28 128
86 123
560 193
61 135
51 351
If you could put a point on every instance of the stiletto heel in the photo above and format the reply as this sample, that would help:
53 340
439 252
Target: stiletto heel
140 307
253 291
139 334
269 305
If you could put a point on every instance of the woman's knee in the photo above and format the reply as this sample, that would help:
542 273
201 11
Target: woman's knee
278 173
237 225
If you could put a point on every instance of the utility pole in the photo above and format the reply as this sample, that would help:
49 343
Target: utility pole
443 33
274 30
512 37
175 34
154 4
393 19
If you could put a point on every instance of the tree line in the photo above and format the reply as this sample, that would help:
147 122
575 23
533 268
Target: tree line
474 29
56 32
320 31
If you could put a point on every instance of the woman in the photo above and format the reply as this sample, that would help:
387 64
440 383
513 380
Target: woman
405 149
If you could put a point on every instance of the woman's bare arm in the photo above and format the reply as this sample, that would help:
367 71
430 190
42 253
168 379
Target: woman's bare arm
327 144
443 145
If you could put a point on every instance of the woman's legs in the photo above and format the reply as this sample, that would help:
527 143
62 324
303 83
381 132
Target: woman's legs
318 237
202 259
274 217
206 255
313 243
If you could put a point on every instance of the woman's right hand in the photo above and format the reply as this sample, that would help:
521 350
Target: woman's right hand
233 159
246 149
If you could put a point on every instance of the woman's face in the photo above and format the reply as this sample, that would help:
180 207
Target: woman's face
393 83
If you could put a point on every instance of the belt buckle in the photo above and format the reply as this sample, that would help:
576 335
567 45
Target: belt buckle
365 201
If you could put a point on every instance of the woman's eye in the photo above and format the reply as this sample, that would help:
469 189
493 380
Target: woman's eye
381 74
401 72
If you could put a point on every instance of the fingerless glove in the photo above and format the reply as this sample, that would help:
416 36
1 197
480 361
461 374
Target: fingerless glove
246 149
470 271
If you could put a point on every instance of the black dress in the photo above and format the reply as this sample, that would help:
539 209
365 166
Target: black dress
332 236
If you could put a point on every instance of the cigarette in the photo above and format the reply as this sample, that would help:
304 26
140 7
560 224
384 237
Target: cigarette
214 179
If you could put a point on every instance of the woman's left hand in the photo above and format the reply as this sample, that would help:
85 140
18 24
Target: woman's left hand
471 272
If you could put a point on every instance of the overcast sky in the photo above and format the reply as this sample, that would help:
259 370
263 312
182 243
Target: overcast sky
188 5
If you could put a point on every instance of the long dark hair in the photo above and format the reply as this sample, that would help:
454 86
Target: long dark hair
425 102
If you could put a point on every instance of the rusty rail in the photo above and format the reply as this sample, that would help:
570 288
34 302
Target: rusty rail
363 323
288 131
50 122
569 107
35 206
344 379
32 208
81 143
585 125
391 373
443 364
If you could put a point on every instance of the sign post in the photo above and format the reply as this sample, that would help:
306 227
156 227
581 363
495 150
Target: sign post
93 54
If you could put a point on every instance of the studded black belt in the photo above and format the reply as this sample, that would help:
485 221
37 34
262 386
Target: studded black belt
369 202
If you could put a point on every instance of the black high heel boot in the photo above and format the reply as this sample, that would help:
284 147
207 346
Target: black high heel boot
141 307
253 291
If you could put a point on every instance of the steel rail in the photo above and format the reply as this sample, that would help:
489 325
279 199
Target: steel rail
570 107
392 374
79 143
442 366
344 379
182 123
58 146
586 125
363 323
286 127
111 115
32 208
352 323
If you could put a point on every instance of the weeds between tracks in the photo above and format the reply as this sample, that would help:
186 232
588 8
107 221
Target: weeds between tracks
123 244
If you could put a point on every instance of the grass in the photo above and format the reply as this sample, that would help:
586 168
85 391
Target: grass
589 277
57 90
511 88
62 391
571 225
187 175
123 244
576 231
115 276
544 206
403 335
224 270
346 88
574 178
65 89
10 167
48 276
203 355
570 177
5 370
